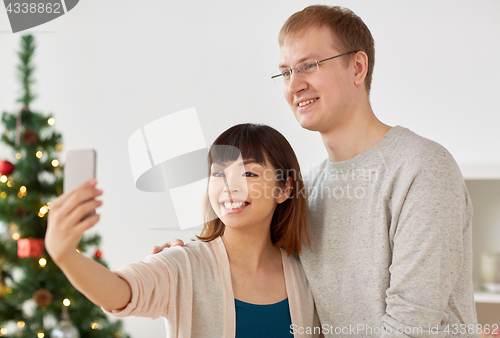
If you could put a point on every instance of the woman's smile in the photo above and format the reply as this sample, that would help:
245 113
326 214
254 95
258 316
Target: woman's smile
234 207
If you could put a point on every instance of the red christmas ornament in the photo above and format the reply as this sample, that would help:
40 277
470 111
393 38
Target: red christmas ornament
29 247
98 254
6 168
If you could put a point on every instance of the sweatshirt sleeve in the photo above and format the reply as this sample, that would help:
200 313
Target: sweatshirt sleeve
431 247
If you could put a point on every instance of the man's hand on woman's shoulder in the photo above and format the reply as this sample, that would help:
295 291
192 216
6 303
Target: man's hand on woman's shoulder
175 242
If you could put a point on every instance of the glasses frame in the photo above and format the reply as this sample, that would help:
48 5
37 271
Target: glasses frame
276 77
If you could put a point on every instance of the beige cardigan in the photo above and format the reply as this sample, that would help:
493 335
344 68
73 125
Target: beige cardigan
191 287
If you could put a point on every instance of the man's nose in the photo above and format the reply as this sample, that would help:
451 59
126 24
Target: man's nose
296 83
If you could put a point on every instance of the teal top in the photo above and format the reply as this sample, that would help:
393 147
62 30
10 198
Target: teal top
255 320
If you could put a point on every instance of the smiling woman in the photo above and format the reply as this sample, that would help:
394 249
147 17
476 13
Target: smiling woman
267 161
243 270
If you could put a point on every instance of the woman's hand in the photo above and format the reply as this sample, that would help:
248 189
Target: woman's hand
66 223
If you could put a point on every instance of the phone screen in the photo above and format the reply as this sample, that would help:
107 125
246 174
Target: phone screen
80 167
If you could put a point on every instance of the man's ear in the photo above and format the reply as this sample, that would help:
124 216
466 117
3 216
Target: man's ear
360 67
286 192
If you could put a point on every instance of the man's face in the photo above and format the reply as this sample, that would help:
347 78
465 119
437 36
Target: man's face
319 101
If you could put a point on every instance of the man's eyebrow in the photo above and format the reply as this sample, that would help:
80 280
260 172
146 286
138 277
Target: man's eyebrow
281 66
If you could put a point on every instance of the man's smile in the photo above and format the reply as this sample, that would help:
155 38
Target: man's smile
307 102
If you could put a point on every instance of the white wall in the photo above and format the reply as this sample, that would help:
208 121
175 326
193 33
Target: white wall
108 67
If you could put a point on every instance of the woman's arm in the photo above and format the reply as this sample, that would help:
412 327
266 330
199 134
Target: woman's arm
101 286
64 230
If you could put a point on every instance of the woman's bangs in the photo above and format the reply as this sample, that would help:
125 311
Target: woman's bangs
230 148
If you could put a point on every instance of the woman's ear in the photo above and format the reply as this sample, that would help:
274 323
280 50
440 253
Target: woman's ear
286 192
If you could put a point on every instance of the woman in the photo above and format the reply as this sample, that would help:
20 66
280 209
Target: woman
241 278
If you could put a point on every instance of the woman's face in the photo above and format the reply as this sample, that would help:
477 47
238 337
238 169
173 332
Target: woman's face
244 193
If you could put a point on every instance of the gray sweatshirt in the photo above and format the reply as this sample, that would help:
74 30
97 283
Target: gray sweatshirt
391 252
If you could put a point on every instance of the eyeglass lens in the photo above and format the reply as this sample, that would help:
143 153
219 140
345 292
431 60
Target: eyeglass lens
302 68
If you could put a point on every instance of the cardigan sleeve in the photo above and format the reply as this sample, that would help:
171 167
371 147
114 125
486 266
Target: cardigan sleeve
158 285
305 320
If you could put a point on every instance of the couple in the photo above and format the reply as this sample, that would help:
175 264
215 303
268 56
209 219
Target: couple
389 217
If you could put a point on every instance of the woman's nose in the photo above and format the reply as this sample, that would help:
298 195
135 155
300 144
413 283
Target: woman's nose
234 183
231 187
227 189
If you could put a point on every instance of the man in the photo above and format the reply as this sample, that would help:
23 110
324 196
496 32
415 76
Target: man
390 216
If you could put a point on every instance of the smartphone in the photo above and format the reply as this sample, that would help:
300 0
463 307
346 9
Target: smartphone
80 167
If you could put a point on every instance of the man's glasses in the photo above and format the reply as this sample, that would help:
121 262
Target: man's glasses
303 68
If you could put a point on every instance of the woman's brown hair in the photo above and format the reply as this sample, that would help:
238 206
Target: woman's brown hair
263 144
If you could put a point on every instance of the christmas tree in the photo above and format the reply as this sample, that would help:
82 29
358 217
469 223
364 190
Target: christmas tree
34 293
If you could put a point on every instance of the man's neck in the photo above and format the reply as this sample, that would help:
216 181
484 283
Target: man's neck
360 132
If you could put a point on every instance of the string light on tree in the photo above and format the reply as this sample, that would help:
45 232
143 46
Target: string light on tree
3 179
66 302
55 163
39 154
42 262
22 192
51 121
18 156
43 211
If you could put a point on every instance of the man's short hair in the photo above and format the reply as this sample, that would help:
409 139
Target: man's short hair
350 31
